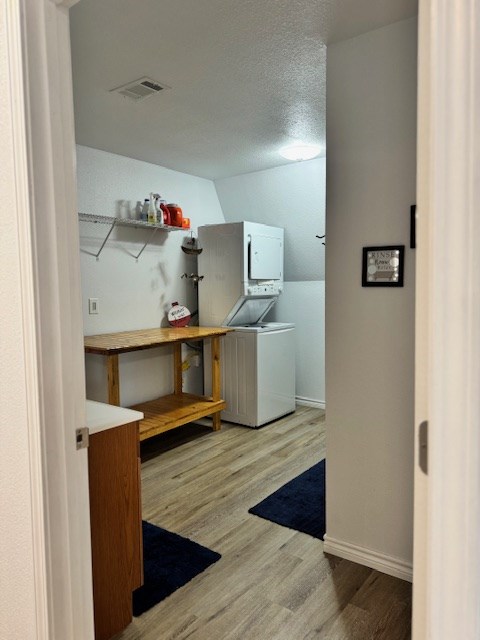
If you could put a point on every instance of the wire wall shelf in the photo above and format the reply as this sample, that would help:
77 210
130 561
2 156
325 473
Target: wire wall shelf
126 222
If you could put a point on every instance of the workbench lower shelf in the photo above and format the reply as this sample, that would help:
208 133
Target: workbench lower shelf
174 410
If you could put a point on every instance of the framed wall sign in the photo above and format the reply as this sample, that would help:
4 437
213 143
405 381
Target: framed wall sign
383 266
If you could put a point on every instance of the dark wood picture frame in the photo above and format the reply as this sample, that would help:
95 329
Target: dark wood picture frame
381 257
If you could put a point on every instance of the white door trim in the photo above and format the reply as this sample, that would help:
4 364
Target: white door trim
22 196
447 584
420 545
38 51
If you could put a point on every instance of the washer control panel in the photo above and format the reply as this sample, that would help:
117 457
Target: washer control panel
264 289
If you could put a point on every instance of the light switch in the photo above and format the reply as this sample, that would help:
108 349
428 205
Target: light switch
93 306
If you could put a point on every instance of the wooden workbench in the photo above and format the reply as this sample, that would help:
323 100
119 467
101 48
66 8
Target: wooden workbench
177 408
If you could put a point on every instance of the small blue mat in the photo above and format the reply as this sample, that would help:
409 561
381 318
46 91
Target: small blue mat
169 562
299 504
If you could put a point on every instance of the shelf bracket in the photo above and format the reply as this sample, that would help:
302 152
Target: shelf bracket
149 239
125 222
106 238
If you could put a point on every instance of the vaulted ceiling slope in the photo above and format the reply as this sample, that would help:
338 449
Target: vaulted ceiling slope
246 76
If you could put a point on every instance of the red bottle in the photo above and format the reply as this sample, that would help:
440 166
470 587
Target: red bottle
176 215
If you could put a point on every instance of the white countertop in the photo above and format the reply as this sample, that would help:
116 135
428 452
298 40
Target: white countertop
102 416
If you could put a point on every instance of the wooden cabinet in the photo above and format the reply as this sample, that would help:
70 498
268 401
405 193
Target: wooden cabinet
116 527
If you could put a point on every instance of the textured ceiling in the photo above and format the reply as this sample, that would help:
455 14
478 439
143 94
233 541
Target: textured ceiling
246 76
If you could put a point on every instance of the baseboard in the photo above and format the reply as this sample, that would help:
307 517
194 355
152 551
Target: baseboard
304 402
309 402
379 561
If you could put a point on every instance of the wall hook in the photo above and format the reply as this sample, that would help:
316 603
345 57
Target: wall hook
194 277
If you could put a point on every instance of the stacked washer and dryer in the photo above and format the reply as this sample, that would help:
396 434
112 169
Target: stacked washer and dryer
242 268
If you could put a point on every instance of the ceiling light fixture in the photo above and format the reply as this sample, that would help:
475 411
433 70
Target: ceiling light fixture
300 151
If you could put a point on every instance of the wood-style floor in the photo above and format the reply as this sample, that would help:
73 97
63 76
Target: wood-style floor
272 583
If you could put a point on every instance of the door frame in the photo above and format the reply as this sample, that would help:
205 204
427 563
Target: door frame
447 582
42 135
447 498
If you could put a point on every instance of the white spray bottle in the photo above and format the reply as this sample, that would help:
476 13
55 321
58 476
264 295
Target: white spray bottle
152 212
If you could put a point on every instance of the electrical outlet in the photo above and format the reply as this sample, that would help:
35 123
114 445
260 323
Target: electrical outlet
196 360
93 306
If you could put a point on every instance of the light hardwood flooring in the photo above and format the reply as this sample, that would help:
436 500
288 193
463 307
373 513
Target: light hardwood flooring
272 583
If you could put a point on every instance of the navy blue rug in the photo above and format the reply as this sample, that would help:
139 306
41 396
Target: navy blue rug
169 562
299 504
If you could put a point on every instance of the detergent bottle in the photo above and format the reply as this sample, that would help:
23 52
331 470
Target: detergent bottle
166 212
176 215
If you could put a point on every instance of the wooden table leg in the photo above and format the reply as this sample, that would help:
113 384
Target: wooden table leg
113 380
217 424
216 421
177 368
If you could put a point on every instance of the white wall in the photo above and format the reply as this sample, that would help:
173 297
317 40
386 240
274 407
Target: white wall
293 197
136 294
304 304
371 144
17 579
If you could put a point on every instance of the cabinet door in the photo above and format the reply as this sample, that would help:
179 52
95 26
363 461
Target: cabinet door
115 526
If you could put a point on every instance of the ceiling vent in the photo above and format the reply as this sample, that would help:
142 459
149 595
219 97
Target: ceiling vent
140 89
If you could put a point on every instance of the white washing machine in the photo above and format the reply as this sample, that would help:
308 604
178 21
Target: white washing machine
258 373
